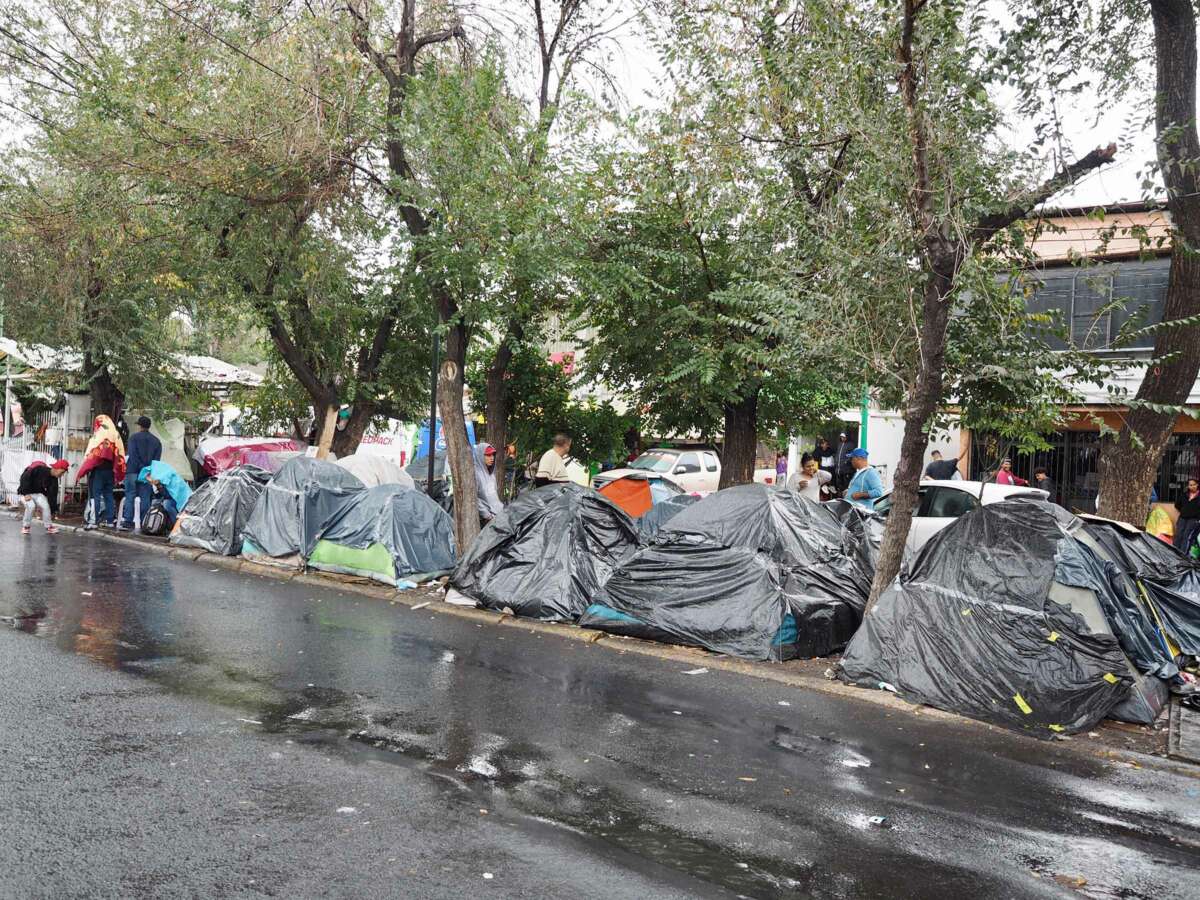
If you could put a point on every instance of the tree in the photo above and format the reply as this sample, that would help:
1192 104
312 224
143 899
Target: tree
1129 461
711 315
960 203
257 148
538 243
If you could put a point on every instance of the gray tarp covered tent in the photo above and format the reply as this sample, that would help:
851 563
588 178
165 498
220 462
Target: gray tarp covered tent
547 553
661 513
1012 614
389 534
303 497
752 571
216 513
1169 579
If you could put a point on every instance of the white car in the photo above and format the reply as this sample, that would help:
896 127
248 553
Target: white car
941 502
696 471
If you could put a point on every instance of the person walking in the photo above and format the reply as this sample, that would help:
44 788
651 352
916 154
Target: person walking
104 464
490 504
810 479
1005 474
780 468
552 467
1187 526
38 488
144 448
865 485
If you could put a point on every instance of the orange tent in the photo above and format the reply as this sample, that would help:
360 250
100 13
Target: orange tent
631 494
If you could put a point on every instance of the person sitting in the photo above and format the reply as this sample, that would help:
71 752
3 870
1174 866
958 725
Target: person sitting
551 467
38 488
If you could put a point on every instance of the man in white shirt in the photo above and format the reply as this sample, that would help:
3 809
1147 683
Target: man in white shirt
551 467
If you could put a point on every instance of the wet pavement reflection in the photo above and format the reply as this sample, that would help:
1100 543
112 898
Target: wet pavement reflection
752 788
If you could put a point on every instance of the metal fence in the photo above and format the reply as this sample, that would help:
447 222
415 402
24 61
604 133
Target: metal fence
1072 461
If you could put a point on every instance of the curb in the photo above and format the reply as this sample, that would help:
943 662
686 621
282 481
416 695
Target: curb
427 598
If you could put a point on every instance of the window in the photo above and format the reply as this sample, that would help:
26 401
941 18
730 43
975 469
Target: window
655 461
689 463
1082 302
710 461
947 503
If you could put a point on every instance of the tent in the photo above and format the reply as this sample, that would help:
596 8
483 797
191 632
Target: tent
295 508
218 453
662 513
374 470
389 534
547 553
752 571
638 494
1167 582
1015 615
217 511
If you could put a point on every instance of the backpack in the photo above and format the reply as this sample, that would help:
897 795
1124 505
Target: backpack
154 522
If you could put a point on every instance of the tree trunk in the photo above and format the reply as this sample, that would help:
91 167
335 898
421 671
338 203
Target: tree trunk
107 398
458 448
328 428
346 441
1129 464
498 407
922 405
741 440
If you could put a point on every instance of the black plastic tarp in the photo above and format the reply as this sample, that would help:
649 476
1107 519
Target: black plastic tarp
416 531
1170 578
217 511
661 513
715 569
547 554
726 599
303 497
991 621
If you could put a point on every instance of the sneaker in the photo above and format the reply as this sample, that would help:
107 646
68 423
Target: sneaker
24 529
51 529
124 526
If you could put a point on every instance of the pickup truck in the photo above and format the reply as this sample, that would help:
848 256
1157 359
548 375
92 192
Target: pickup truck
695 471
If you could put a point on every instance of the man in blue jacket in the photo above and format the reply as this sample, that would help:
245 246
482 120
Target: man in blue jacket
866 485
144 448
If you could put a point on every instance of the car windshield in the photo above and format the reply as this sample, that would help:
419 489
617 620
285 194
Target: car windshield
655 461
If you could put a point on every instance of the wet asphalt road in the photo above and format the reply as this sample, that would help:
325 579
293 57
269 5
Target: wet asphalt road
168 729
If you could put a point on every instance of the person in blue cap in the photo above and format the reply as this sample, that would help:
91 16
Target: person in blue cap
866 485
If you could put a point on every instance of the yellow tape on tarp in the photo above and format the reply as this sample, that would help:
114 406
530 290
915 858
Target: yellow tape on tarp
1022 705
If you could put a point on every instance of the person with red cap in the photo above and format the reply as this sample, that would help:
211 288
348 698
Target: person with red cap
39 488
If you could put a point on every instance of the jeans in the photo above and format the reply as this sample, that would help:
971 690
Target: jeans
135 489
39 501
100 490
